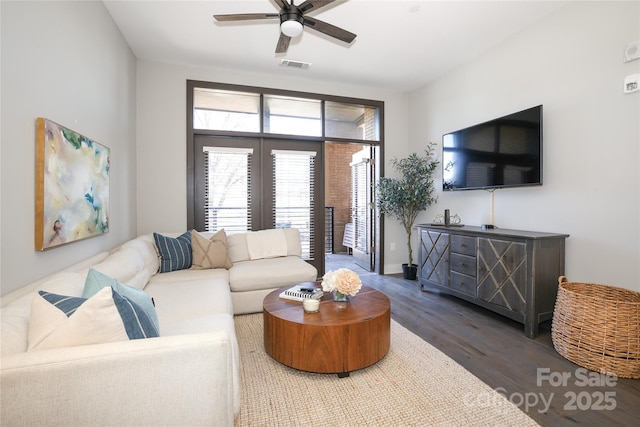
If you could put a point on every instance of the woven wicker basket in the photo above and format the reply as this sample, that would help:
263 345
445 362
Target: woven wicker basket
598 327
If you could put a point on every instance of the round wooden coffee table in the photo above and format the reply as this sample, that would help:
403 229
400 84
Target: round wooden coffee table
341 337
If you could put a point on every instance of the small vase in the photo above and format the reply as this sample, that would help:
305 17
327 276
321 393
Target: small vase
339 296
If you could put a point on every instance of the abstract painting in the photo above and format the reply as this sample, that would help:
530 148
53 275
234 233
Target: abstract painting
72 186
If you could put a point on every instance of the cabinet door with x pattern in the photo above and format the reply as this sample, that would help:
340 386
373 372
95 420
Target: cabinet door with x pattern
502 273
434 257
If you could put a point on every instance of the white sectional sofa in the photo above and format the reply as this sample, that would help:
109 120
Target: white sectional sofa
188 375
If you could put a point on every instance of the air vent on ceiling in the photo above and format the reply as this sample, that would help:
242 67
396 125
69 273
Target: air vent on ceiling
295 64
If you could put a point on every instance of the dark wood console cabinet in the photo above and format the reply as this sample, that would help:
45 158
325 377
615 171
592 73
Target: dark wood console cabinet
513 273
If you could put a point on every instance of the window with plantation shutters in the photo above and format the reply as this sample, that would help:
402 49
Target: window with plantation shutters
293 194
227 191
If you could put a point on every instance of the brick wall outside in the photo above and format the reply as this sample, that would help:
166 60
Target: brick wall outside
338 187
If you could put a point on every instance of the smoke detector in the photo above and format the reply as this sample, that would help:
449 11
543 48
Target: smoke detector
295 64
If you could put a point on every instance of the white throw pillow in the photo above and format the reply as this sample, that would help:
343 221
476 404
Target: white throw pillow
267 244
61 321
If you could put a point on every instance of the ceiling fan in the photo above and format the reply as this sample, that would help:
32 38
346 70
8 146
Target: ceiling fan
292 20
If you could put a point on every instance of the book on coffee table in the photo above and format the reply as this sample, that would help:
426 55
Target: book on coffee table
298 293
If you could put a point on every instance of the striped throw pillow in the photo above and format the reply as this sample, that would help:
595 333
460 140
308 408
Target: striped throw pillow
63 321
175 253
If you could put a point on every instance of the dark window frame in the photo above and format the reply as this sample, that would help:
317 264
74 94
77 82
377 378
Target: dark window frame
191 134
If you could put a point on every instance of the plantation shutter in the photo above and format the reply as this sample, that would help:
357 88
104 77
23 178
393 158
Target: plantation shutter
293 194
227 189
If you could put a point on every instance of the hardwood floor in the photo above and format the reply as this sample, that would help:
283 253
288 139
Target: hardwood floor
495 349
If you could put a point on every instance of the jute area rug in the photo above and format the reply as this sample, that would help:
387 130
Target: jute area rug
414 385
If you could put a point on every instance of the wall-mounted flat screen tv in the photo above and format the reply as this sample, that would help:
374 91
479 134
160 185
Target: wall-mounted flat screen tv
505 152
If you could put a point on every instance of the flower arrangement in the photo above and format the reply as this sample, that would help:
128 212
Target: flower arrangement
342 280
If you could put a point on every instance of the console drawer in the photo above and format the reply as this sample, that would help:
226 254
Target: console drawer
463 264
463 283
463 245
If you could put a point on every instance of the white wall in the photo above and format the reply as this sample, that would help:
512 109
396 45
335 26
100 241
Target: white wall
68 62
571 62
161 137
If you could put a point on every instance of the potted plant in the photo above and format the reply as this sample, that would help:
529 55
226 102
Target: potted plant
405 197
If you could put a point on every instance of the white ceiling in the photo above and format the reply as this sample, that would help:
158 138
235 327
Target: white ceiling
401 45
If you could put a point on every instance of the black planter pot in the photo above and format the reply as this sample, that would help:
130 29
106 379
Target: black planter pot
409 273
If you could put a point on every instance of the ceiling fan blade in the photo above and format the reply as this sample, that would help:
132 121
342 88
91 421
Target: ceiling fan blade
314 5
284 4
283 43
328 29
245 16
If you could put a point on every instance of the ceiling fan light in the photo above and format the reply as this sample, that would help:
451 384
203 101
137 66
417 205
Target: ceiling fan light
291 28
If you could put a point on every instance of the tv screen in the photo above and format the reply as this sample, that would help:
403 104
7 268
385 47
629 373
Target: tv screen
505 152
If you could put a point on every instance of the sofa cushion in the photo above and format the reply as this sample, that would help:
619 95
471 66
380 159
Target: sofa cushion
62 321
292 235
179 300
200 325
125 265
96 281
180 276
175 253
270 273
35 286
146 248
237 248
209 252
266 244
15 326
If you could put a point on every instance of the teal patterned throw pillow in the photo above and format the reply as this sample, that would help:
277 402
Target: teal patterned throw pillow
97 280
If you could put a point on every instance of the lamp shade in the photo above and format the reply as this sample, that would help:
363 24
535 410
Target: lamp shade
291 28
